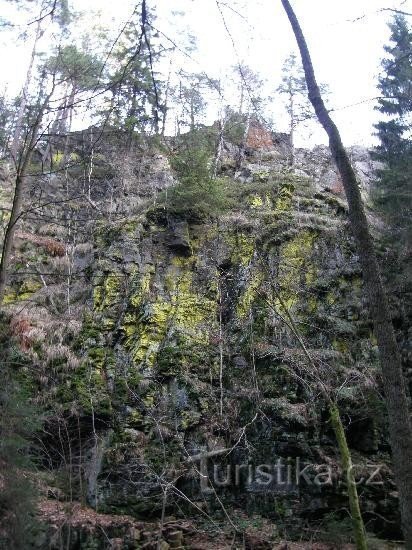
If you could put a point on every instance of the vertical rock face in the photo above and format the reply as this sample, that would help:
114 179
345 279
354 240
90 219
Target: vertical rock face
177 344
258 137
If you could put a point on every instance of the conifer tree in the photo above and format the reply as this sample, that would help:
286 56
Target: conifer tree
135 104
394 189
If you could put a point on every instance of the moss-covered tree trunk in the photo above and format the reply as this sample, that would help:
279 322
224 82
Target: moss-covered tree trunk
339 431
400 427
346 460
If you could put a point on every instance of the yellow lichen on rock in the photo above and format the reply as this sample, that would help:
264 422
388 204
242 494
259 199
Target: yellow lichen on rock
242 248
143 289
249 295
106 294
26 291
255 201
182 310
144 335
285 195
294 256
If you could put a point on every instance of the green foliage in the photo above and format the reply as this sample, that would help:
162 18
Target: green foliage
78 68
393 193
191 164
395 84
235 127
198 196
192 91
250 87
136 89
293 85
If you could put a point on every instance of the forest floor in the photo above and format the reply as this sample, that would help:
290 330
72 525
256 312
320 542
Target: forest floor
174 533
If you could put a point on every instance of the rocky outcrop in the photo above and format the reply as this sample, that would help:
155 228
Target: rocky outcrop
176 345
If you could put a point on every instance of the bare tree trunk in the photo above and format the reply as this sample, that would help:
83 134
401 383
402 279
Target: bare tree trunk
18 199
400 428
241 151
66 126
54 131
167 92
292 128
219 147
14 148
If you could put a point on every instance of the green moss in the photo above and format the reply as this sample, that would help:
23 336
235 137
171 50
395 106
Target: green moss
261 176
135 418
57 157
87 386
144 334
340 345
9 297
105 234
311 275
373 340
189 419
29 287
312 304
88 335
131 226
149 399
331 298
171 358
141 289
258 201
190 309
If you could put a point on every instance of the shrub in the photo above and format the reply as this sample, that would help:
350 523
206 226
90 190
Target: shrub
198 196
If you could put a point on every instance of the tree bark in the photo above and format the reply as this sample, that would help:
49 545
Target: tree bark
292 127
338 429
400 429
14 148
18 199
358 526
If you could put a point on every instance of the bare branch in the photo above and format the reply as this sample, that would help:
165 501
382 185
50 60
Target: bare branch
400 12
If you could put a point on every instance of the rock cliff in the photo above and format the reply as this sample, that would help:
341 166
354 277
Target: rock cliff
147 338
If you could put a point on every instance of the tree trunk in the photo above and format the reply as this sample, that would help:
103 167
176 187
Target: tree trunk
219 146
54 131
18 200
167 92
338 430
14 148
292 128
66 126
358 526
400 428
241 150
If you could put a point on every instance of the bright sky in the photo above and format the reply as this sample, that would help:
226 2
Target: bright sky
345 38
